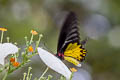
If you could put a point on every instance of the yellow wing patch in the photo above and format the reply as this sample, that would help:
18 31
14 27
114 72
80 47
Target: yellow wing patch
72 60
75 51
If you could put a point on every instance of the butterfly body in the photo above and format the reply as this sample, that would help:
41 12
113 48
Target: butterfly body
69 45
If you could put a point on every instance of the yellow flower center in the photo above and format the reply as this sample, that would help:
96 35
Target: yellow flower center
73 69
30 49
15 64
34 32
12 59
3 29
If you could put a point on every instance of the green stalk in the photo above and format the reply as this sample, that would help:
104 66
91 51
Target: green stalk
8 39
26 40
28 74
2 36
71 76
31 40
44 73
37 42
5 76
24 76
49 77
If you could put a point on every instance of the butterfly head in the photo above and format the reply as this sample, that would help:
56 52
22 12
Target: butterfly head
60 55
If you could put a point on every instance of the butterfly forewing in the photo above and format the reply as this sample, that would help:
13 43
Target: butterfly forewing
69 32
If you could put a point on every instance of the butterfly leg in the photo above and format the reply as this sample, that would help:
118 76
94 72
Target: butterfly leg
84 41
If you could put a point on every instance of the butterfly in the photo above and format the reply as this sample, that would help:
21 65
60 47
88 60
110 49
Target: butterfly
69 46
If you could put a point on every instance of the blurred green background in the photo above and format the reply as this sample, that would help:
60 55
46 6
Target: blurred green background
99 20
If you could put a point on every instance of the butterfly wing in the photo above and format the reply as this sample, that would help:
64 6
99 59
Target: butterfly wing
69 32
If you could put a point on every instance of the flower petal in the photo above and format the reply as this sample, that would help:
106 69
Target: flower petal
6 49
54 63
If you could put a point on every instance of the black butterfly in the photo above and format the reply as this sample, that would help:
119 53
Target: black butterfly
69 36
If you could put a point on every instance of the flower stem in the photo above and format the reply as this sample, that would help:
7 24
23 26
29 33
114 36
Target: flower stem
8 39
44 73
15 57
24 76
5 76
26 40
2 36
49 77
28 75
37 42
31 40
71 76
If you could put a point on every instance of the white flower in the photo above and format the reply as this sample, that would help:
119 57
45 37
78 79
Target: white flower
6 49
54 63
